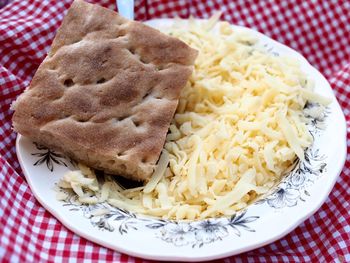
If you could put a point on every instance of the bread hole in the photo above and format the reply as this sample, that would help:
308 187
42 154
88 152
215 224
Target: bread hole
136 123
111 162
101 80
117 120
146 95
143 60
121 118
154 95
132 50
151 94
144 159
104 62
157 97
68 83
123 167
137 56
81 120
123 153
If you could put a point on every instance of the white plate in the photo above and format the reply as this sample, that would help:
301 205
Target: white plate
294 200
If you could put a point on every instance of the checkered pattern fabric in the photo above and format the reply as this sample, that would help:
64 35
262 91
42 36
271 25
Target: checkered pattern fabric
320 30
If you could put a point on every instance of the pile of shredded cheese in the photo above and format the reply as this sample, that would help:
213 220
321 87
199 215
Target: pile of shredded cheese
238 128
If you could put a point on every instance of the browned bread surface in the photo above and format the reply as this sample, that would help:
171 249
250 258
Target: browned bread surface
107 91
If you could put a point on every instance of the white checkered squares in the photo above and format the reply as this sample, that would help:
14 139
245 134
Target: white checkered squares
44 255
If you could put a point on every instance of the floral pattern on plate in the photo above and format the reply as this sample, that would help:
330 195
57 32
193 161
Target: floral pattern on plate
179 233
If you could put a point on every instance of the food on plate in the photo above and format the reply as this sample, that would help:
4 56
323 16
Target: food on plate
238 129
107 91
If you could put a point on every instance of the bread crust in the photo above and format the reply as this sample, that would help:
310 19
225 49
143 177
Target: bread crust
107 91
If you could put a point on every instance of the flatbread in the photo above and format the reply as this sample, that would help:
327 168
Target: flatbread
107 91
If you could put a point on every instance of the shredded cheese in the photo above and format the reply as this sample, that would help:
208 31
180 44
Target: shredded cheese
238 128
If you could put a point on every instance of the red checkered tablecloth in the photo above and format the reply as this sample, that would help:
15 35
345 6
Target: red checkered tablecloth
320 30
